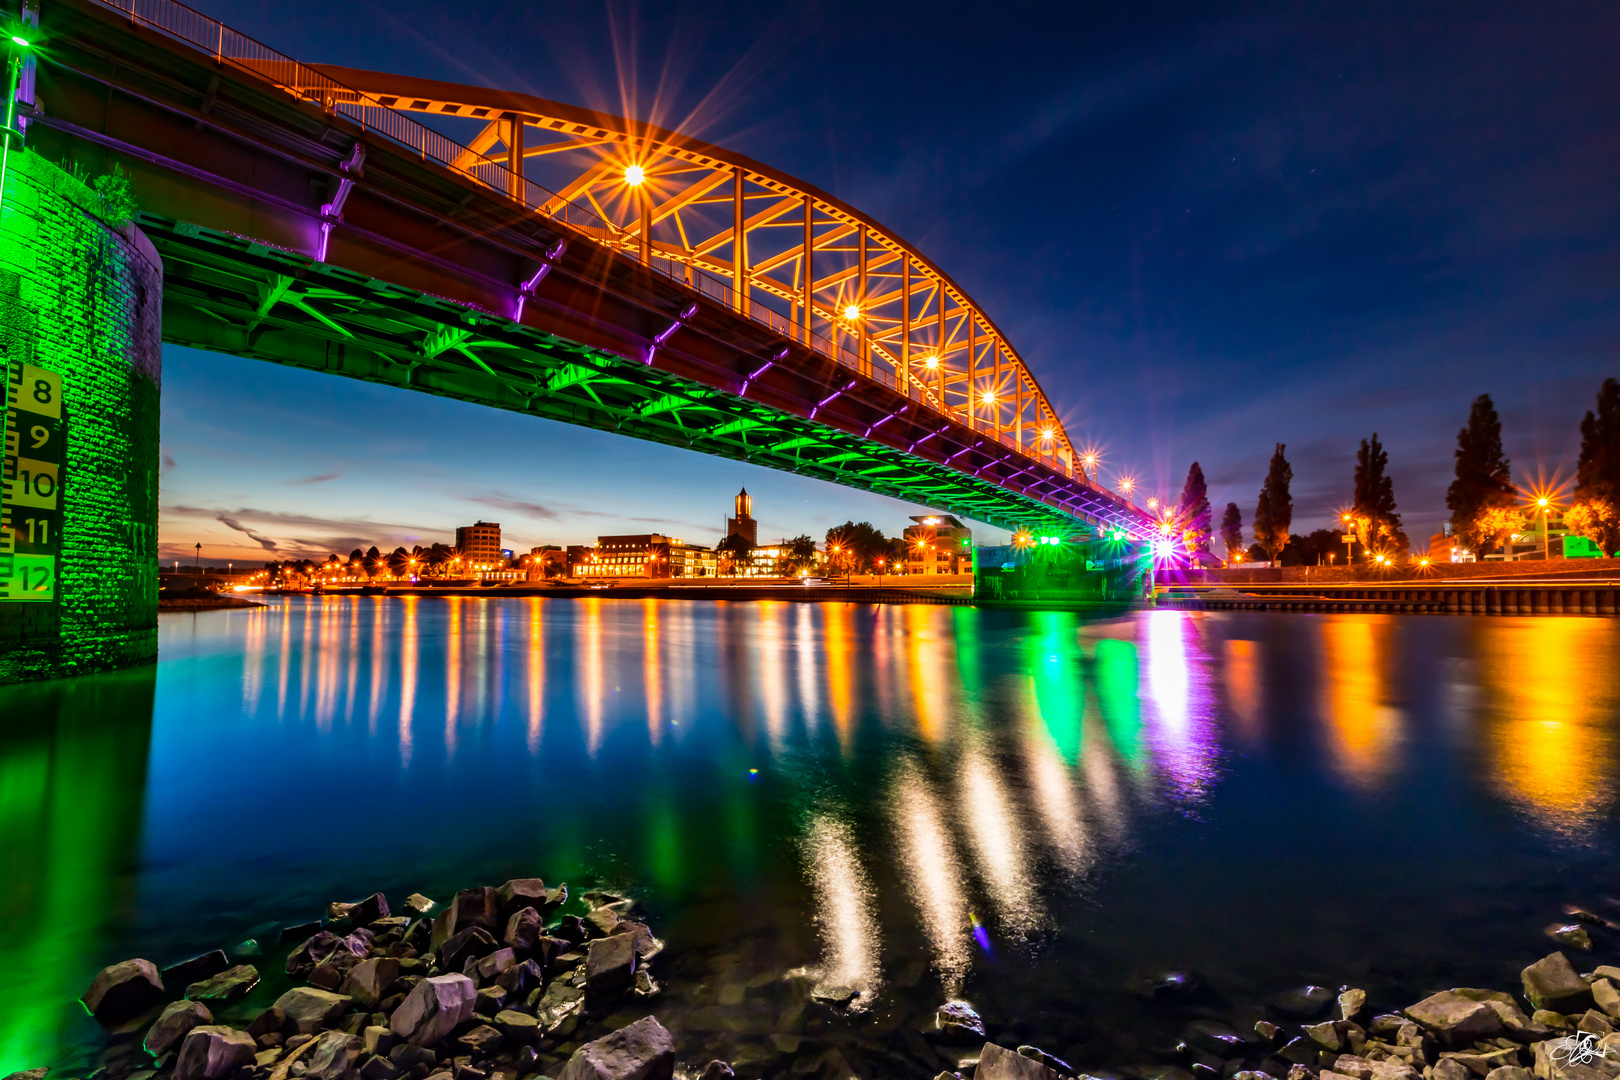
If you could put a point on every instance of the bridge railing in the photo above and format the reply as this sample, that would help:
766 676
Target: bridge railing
228 46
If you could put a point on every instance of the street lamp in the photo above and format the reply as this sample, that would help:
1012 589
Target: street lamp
1542 504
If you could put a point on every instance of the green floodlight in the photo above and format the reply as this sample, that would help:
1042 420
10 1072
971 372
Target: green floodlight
20 42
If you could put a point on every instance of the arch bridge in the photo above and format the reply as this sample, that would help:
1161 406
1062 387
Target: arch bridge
560 262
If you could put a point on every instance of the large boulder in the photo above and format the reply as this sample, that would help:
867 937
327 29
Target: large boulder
123 992
639 1051
999 1063
1513 1019
210 1052
433 1009
369 981
610 964
172 1025
1454 1019
309 1009
524 930
520 893
335 1055
1552 983
324 947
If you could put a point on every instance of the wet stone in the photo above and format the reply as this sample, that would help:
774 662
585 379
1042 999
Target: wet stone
999 1063
370 980
433 1009
610 964
308 1009
1552 983
335 1055
124 992
1035 1053
481 1041
232 984
1572 934
640 1051
210 1052
958 1020
173 1023
1454 1019
516 1026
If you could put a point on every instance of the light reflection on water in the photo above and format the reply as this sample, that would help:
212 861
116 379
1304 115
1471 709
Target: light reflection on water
842 787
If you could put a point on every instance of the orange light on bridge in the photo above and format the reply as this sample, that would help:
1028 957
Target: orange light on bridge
932 362
1127 485
635 175
851 313
989 397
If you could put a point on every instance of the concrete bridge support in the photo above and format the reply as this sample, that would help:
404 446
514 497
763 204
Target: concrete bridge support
80 335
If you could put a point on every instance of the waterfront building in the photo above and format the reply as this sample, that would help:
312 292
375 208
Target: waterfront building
480 546
647 555
938 544
743 524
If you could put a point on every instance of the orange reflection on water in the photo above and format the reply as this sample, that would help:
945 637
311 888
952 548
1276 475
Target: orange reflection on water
537 671
809 662
1550 688
771 644
407 678
651 679
929 669
1363 726
1243 686
840 636
452 676
590 663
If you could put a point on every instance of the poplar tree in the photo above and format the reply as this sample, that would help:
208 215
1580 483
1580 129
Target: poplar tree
1193 514
1375 494
1483 488
1232 530
1275 511
1597 474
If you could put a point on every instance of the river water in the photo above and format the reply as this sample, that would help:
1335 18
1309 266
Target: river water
1032 811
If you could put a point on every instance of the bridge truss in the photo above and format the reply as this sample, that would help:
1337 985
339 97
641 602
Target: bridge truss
663 288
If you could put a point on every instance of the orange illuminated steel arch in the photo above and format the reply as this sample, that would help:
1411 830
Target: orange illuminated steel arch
812 267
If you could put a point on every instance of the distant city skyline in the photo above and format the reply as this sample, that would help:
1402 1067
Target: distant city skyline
264 463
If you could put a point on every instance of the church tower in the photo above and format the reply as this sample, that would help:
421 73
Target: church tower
744 524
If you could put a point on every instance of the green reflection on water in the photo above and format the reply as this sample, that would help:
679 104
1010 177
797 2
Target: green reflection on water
1116 682
72 784
1059 682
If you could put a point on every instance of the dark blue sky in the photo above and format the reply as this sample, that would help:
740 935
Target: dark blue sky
1207 227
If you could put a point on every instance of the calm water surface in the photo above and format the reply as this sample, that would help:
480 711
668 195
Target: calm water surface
1030 810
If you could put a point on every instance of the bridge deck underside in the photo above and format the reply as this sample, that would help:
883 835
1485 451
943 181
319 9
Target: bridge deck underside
228 294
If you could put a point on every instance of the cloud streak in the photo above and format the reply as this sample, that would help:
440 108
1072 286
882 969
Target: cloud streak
263 541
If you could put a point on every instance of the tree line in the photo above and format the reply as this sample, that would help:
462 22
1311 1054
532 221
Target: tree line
1486 507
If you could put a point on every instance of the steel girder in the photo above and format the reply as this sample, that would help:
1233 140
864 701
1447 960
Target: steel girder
228 294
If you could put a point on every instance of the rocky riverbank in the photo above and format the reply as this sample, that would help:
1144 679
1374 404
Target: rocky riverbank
500 984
